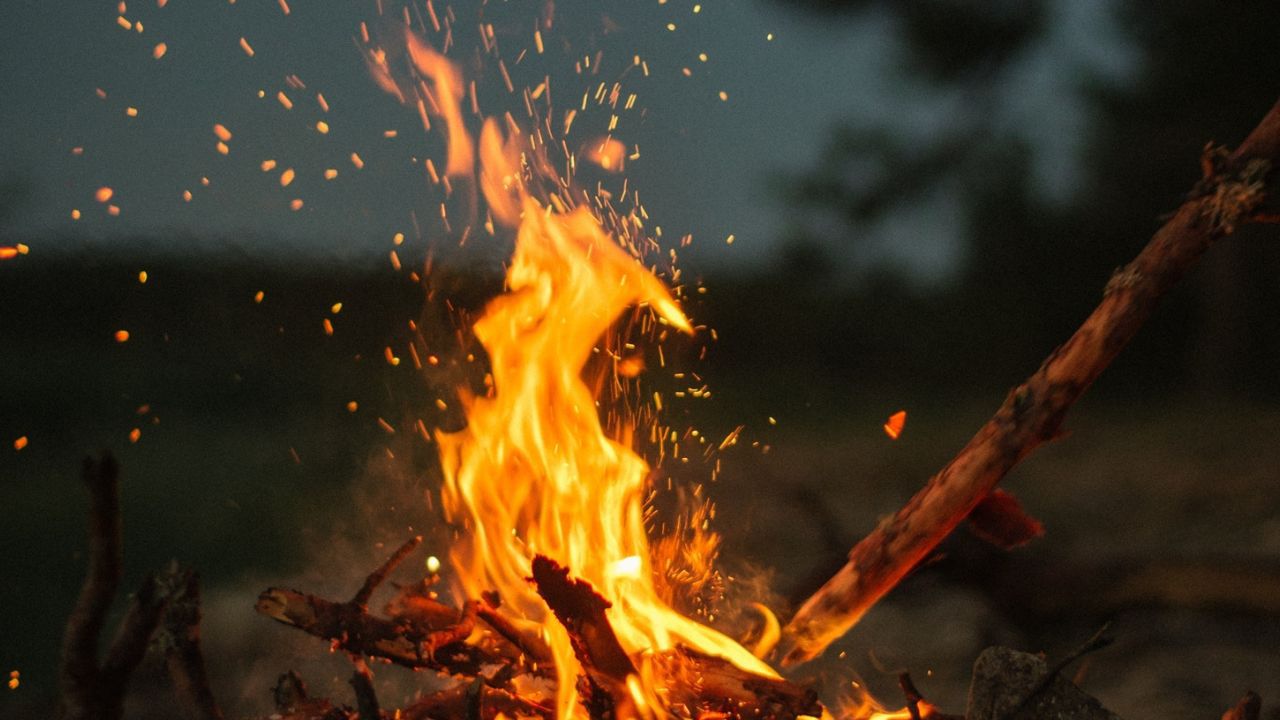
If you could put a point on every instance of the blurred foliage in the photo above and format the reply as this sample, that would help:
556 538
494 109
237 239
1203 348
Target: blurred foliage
951 38
1032 266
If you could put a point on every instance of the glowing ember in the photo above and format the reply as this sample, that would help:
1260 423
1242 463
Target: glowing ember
893 427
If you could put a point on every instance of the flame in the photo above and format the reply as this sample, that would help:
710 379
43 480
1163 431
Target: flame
534 471
858 704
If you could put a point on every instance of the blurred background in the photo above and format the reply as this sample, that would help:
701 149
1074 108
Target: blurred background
877 206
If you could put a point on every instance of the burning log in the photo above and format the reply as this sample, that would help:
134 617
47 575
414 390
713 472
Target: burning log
92 690
425 634
1236 188
695 685
474 700
1249 708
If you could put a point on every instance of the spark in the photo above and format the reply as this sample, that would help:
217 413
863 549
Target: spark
18 445
159 50
135 435
353 406
104 194
893 428
286 177
222 132
122 336
246 47
322 127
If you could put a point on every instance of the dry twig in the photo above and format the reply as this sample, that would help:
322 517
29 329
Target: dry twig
180 639
91 690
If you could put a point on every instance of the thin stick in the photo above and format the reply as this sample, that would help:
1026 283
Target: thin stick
1231 194
366 699
377 577
181 641
1096 642
84 624
90 690
1249 708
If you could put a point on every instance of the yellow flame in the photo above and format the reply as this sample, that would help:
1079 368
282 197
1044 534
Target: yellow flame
447 99
534 471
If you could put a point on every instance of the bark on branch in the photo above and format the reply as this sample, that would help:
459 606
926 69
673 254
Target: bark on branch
1237 187
93 690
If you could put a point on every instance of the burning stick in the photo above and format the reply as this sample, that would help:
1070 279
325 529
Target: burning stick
421 632
1231 192
90 689
695 684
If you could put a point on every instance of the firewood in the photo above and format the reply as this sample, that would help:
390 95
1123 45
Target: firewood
367 706
355 631
91 690
421 632
695 685
292 702
474 701
180 639
1237 188
580 609
704 686
1249 708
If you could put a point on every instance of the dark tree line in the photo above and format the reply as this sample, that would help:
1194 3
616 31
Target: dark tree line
1032 266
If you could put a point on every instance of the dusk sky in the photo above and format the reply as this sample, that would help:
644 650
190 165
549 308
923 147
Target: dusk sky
705 163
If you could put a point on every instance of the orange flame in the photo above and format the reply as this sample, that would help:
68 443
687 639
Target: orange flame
534 471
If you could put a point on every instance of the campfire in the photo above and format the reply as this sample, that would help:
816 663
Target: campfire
560 598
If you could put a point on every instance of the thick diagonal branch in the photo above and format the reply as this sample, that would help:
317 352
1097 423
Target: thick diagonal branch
1233 191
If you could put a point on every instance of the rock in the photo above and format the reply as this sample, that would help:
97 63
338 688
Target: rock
1003 679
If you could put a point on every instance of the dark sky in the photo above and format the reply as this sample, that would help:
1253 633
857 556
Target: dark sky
704 162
